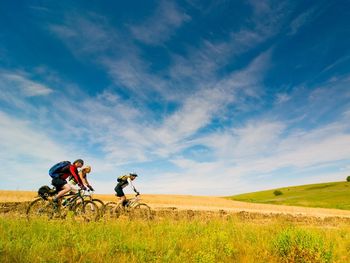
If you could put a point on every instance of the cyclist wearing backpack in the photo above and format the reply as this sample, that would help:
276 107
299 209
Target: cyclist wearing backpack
123 181
60 172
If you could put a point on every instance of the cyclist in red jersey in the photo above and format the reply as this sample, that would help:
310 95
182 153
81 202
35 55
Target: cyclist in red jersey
60 182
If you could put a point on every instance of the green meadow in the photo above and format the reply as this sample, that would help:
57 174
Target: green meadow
325 195
229 238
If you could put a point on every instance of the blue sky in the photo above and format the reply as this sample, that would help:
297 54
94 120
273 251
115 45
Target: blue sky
197 97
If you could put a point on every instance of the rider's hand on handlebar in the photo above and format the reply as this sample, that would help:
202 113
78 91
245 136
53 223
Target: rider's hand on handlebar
90 187
82 187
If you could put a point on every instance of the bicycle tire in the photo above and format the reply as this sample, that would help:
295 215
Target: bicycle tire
111 210
40 208
140 211
86 211
99 204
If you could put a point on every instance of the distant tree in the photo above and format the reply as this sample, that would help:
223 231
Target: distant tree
277 192
348 179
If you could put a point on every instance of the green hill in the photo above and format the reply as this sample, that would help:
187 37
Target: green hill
326 195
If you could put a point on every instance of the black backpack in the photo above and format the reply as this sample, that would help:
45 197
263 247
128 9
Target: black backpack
45 191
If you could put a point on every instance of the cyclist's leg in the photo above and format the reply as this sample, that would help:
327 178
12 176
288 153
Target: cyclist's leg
120 193
61 186
74 187
65 189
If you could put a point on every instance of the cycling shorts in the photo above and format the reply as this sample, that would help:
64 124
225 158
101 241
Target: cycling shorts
58 183
119 190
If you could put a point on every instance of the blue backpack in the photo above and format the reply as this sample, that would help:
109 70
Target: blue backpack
57 167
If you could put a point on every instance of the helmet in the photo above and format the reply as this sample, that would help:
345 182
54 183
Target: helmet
133 174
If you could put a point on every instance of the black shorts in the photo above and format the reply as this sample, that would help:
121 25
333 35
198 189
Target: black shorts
119 190
58 183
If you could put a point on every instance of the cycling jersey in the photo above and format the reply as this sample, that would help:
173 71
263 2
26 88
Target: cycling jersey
124 178
70 170
123 181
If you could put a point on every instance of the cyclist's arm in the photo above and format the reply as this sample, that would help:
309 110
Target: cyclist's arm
133 187
73 172
83 178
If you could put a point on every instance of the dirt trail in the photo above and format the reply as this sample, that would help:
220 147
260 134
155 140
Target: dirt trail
201 203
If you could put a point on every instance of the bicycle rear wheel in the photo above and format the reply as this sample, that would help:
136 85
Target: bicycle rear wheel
85 211
40 208
140 211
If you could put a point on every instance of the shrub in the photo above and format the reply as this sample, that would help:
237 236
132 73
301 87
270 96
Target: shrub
348 179
277 192
293 245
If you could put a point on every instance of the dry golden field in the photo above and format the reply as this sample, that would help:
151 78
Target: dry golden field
200 203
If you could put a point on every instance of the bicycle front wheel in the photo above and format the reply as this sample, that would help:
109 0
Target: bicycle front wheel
112 210
140 211
100 205
86 211
40 208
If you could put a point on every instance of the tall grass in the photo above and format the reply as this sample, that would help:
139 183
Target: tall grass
215 239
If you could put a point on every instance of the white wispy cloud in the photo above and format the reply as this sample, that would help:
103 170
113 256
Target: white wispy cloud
252 160
131 72
201 64
22 85
20 137
41 9
17 89
194 178
199 109
264 147
195 112
126 133
281 98
301 20
124 63
336 63
269 15
90 34
92 38
161 25
346 114
256 148
26 153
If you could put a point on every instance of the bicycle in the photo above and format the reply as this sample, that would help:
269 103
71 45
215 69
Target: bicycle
71 204
99 203
133 209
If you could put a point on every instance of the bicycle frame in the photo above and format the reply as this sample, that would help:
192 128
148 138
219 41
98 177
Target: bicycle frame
133 201
72 198
133 209
87 194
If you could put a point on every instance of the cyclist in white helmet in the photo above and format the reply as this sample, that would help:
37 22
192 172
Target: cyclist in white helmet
123 181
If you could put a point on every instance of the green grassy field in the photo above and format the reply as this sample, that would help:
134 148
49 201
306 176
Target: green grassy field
326 195
234 238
